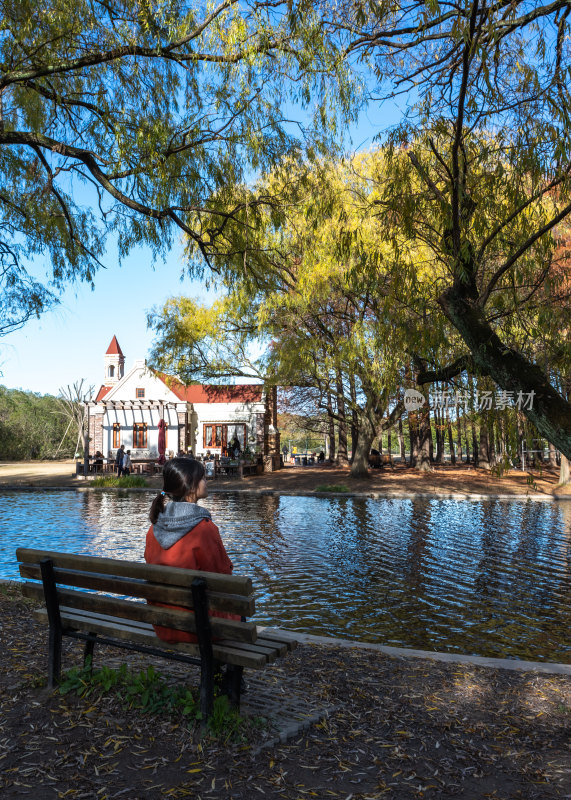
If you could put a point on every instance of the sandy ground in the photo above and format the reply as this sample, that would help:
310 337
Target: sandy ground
441 480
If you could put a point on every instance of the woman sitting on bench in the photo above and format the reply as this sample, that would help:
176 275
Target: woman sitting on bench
182 533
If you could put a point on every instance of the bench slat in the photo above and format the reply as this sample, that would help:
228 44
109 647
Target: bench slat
279 647
116 628
269 651
136 587
169 576
141 612
274 637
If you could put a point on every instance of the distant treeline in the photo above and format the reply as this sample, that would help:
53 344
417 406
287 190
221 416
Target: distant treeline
33 426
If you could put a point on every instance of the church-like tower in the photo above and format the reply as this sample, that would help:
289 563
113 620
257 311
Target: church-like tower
114 363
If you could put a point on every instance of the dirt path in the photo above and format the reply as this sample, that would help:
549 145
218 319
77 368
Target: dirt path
391 728
442 480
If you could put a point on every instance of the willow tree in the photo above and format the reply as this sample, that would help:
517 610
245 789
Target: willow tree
305 281
136 118
488 116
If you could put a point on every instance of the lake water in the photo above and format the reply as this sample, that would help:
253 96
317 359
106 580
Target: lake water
489 578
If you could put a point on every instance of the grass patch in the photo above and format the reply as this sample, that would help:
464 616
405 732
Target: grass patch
149 692
332 487
124 482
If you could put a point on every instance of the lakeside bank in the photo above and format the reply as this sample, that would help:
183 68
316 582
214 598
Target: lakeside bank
458 482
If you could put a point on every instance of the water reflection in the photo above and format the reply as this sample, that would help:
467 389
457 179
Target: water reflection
491 578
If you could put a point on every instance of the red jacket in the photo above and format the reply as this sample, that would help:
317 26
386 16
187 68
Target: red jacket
201 548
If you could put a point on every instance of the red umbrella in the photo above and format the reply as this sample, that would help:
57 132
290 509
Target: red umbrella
162 441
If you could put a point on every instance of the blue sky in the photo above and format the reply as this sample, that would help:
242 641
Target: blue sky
68 343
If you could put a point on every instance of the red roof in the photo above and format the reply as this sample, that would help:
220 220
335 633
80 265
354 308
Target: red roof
102 392
204 393
201 393
114 349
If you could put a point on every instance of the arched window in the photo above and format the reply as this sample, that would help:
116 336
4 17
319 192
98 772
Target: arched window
111 372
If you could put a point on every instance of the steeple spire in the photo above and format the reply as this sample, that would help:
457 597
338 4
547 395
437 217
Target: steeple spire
114 363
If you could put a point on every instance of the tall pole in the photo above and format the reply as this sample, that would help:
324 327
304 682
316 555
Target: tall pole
86 445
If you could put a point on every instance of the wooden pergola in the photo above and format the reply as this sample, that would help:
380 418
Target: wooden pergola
130 404
121 405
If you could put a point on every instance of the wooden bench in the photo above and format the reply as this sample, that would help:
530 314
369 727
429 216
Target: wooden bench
94 469
248 469
124 621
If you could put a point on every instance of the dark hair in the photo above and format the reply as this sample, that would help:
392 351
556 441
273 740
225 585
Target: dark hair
181 477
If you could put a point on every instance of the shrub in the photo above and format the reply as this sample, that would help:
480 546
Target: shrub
124 482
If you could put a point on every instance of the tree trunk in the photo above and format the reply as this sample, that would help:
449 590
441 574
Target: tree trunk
459 432
491 440
451 439
474 444
520 435
330 428
360 463
552 455
466 438
342 457
502 444
439 437
413 434
354 417
402 447
564 472
484 447
549 411
424 438
389 446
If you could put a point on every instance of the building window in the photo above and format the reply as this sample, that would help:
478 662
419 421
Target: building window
139 393
220 435
116 435
140 434
111 371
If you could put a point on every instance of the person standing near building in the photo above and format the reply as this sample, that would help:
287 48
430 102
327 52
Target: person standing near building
234 448
119 460
126 466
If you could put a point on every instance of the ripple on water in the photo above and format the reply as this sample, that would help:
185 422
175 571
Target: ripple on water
488 577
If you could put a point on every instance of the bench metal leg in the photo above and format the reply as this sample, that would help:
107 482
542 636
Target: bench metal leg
55 635
88 650
203 632
233 686
54 658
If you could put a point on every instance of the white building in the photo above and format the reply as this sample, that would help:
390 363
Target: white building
199 417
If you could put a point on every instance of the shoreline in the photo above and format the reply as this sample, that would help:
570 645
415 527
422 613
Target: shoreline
388 495
490 662
460 482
